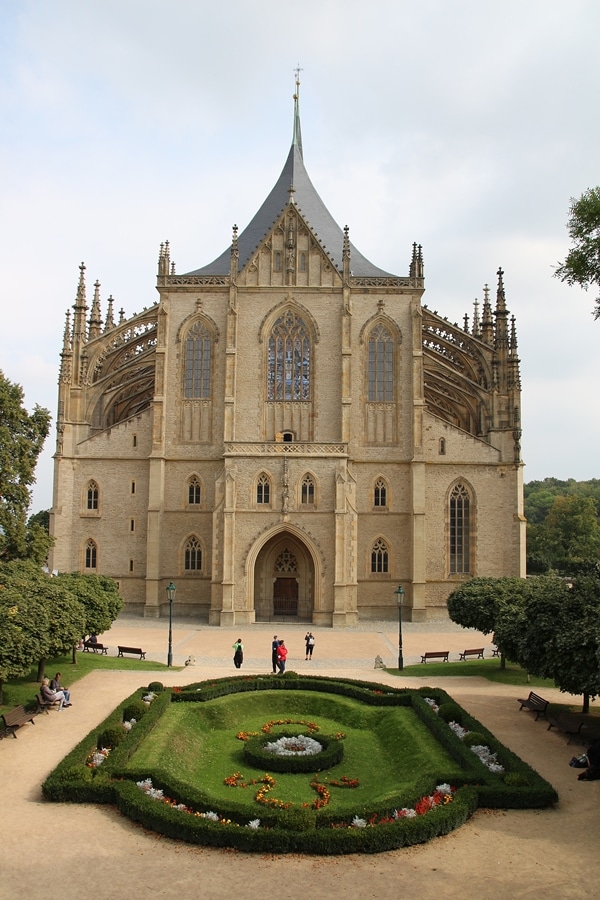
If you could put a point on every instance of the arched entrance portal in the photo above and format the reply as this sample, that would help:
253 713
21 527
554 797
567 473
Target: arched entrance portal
284 580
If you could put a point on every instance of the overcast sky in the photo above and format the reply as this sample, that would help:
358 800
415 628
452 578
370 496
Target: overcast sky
463 125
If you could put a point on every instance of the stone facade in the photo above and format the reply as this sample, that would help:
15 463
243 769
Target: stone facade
289 432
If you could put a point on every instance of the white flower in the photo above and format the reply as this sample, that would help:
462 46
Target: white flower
444 788
144 785
255 823
358 823
296 746
458 730
431 703
212 816
405 813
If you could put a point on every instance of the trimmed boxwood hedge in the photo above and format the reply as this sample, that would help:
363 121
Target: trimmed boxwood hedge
256 755
297 829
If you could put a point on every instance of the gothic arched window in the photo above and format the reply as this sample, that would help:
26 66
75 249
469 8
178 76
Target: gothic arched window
91 553
263 489
198 347
460 531
93 495
193 556
379 557
194 491
380 494
308 490
288 376
380 365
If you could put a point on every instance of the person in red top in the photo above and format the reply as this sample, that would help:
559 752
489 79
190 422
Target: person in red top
281 656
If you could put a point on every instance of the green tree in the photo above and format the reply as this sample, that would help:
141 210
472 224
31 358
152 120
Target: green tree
22 437
560 633
582 264
99 596
572 533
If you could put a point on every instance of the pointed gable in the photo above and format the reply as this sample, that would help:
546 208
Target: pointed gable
294 187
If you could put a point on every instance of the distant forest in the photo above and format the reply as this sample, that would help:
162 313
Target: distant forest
563 525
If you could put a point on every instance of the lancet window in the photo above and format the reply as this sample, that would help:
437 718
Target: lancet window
379 557
380 365
198 346
289 359
460 530
193 556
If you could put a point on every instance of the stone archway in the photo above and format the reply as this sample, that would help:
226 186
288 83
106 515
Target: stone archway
284 579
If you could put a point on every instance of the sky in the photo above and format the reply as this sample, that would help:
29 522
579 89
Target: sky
464 126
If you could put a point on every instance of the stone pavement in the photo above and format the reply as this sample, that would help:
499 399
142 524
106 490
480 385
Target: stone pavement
64 851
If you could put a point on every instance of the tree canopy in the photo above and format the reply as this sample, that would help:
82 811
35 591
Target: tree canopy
22 437
582 264
563 525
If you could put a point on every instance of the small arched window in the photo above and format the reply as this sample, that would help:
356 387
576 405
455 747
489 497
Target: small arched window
278 262
380 494
308 490
460 531
263 489
91 554
303 262
442 446
92 496
194 492
193 556
379 557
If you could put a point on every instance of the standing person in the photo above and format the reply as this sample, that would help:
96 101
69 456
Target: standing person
55 686
238 653
281 656
274 647
310 644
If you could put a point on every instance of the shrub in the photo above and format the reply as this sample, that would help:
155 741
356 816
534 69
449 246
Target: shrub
255 754
134 710
156 687
475 739
111 737
450 712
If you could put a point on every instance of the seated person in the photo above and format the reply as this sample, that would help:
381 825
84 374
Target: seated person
52 696
55 686
592 773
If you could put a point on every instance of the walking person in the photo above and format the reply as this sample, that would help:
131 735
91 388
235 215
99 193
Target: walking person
281 656
274 646
310 644
238 653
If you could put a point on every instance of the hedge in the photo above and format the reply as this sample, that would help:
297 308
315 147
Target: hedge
297 829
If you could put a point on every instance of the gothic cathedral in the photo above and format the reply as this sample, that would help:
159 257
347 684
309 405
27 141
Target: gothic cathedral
289 432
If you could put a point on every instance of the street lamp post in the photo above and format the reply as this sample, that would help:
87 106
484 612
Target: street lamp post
170 597
400 599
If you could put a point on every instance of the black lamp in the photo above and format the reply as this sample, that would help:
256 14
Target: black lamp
400 599
170 597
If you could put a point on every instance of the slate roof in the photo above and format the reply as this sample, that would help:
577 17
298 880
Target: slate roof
312 208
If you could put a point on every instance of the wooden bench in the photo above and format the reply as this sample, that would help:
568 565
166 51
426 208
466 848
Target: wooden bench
15 718
566 723
495 651
535 703
95 647
45 705
135 650
436 654
477 653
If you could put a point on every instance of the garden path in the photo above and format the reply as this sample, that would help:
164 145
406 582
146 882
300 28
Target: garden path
52 851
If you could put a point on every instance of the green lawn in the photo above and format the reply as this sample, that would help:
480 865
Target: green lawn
475 668
23 690
197 744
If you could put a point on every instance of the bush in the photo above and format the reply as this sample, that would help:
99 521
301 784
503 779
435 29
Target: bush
134 710
111 737
255 754
156 687
475 739
450 712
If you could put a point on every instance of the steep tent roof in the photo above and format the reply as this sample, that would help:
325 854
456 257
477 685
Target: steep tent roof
295 186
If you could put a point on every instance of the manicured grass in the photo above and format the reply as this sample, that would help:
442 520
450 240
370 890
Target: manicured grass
390 749
475 668
23 690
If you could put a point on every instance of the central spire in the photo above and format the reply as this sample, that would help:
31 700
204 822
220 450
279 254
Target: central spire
297 139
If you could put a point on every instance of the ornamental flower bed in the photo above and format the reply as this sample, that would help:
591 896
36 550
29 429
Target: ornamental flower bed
181 810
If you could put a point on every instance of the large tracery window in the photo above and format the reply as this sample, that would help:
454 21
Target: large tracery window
288 375
460 531
197 363
379 557
381 365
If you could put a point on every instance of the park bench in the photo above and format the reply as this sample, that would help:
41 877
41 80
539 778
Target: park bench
45 705
95 647
477 653
567 724
495 651
535 703
436 654
137 651
15 718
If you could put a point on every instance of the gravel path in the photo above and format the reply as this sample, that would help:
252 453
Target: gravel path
52 851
